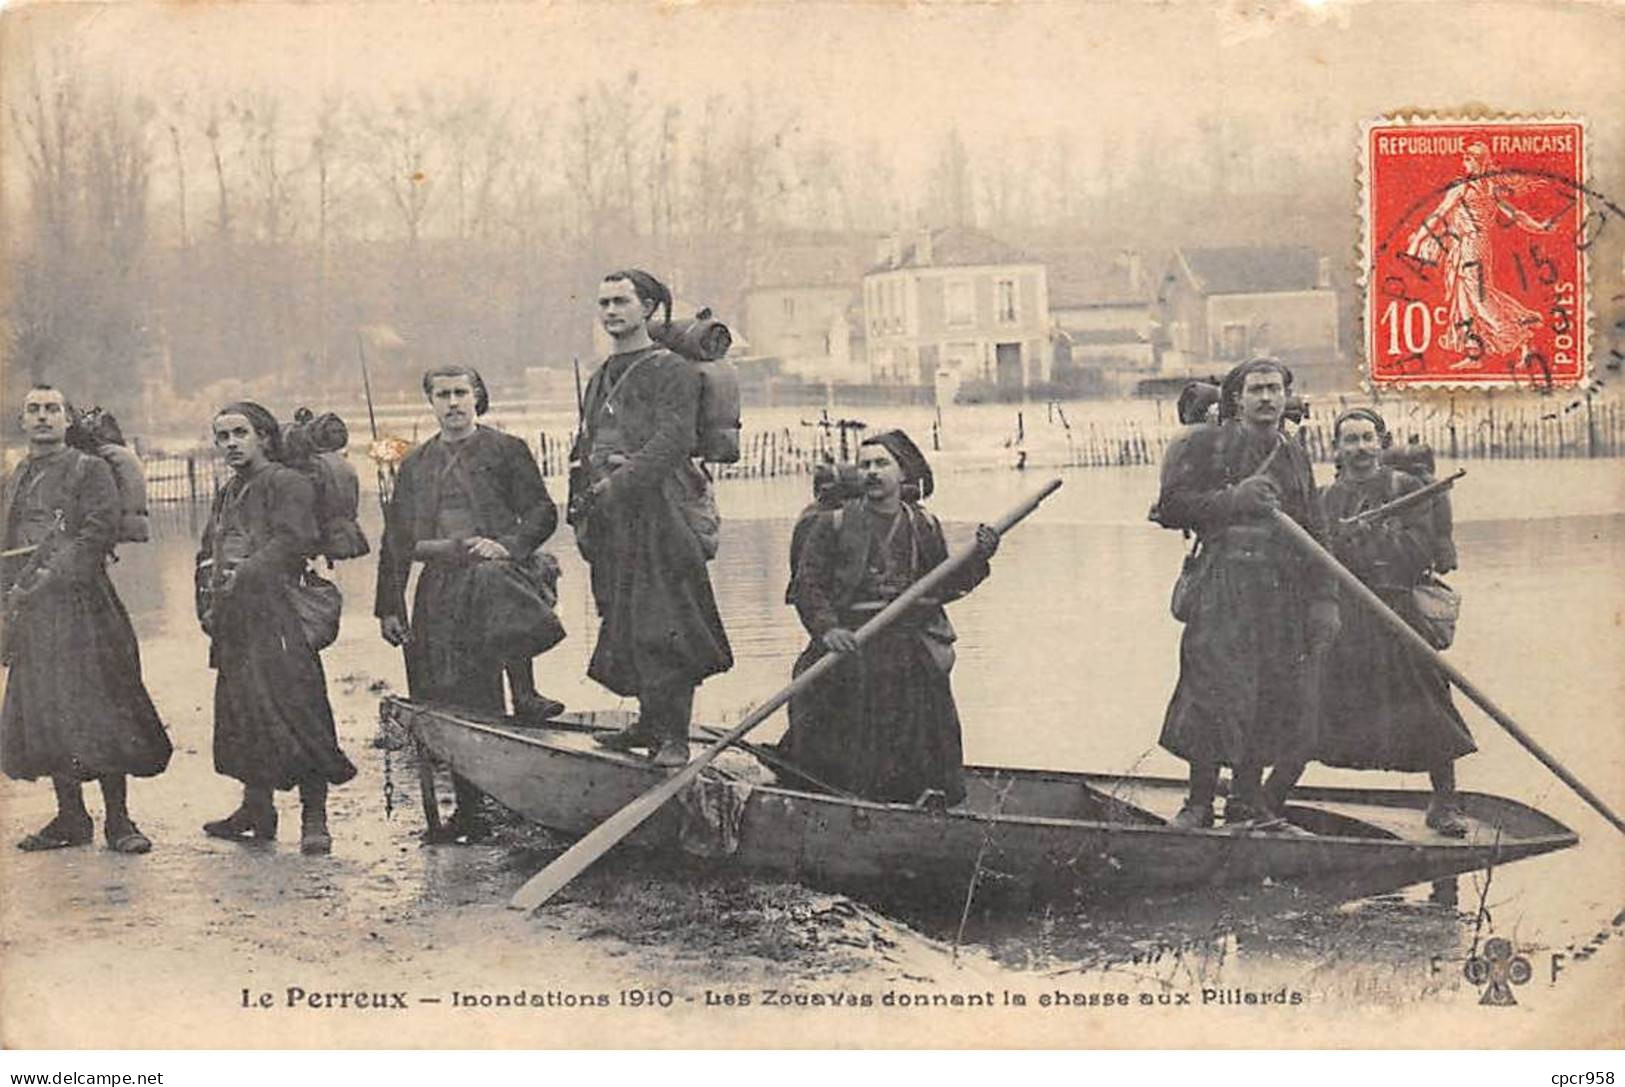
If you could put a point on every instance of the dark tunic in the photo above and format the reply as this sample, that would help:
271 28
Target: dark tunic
882 724
1386 707
485 485
75 705
659 621
273 725
1245 687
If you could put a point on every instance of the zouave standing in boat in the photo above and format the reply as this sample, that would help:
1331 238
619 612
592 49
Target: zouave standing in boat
1261 617
646 522
1386 707
273 724
75 707
471 505
883 724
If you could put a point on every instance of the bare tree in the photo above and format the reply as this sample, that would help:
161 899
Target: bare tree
214 134
476 136
266 172
403 156
951 191
76 298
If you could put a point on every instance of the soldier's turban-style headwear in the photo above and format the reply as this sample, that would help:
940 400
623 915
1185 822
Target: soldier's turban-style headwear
915 468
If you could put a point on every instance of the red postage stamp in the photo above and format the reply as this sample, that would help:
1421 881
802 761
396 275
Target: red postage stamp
1475 243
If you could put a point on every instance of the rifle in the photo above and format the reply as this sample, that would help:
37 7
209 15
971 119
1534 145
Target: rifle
385 484
1406 501
578 495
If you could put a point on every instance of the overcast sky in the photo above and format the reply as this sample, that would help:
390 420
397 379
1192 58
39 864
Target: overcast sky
895 75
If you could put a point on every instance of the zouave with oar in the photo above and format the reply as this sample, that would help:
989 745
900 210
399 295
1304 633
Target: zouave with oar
575 860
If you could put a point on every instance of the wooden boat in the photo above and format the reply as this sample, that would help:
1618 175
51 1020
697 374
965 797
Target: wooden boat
1050 833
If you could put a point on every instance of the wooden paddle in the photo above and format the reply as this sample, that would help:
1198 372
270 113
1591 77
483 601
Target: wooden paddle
1417 643
575 860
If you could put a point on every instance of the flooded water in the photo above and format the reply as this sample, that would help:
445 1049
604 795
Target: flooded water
1067 657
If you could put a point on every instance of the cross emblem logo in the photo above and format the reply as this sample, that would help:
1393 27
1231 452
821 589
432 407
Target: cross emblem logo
1498 969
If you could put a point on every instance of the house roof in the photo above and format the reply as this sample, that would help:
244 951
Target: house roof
1247 269
816 264
1093 277
954 246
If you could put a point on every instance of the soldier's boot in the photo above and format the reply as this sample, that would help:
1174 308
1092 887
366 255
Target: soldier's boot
1444 815
254 819
313 834
1194 816
673 707
123 836
468 821
527 704
72 824
1197 811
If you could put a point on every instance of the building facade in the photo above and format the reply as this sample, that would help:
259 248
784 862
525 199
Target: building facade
959 303
1220 306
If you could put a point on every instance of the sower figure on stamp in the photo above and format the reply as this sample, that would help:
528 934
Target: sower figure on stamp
273 724
883 724
1385 707
75 707
645 520
469 504
1260 618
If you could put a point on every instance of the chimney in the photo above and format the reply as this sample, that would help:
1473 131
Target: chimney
1135 267
889 249
1323 273
922 247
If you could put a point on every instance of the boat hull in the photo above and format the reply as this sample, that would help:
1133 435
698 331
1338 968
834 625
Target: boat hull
1037 832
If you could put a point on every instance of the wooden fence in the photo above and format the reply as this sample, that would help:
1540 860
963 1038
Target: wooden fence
1580 428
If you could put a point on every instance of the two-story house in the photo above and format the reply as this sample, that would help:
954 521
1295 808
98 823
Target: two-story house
956 300
1218 306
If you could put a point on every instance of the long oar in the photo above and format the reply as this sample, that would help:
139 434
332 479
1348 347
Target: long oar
575 860
1419 644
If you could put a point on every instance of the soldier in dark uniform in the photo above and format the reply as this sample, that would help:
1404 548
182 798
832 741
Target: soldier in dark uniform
75 707
646 522
1386 707
1262 616
466 503
883 724
273 723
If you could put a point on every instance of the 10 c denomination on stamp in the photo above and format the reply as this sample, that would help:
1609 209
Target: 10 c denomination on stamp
1476 234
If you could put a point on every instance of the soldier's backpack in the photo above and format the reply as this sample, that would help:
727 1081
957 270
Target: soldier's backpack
704 340
1415 458
833 486
97 432
315 447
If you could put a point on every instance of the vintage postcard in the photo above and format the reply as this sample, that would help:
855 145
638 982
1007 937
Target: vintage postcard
816 526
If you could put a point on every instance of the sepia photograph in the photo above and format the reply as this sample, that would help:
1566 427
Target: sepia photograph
827 525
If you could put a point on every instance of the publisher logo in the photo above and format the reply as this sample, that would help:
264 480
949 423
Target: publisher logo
1498 969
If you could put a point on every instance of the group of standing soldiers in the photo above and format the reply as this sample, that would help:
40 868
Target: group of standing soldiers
469 504
1273 673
